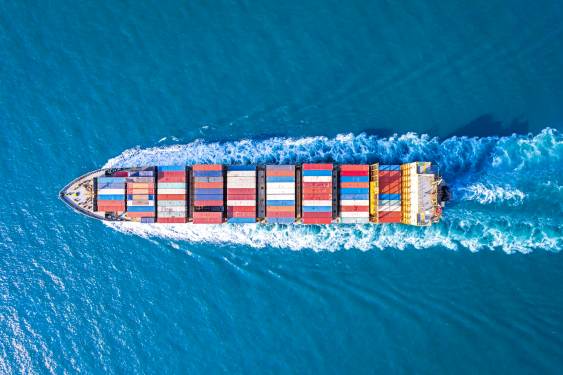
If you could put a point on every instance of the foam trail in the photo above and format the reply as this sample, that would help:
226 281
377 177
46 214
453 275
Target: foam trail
507 191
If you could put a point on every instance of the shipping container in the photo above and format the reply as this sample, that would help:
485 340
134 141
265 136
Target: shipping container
172 168
241 220
171 220
316 166
280 220
208 202
307 203
286 214
207 167
171 197
208 185
316 220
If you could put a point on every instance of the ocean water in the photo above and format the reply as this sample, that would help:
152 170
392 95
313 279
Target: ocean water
475 87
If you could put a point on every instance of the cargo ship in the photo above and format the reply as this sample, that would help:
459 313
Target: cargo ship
411 193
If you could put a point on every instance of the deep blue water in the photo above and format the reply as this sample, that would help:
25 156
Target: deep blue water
92 83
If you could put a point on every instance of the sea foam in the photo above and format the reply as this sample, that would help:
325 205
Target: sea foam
506 191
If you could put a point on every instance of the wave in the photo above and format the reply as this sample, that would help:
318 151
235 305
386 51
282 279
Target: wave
507 191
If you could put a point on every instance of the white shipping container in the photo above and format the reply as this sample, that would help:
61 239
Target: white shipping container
171 214
317 178
280 191
280 197
346 202
241 174
354 220
246 203
389 208
171 203
111 191
240 179
241 185
316 203
140 203
171 209
354 214
280 185
171 185
171 191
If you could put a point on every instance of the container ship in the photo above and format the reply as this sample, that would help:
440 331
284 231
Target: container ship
411 193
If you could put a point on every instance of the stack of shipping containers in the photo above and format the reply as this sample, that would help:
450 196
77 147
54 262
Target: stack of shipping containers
140 195
280 194
208 193
241 194
110 194
354 194
317 193
389 209
171 194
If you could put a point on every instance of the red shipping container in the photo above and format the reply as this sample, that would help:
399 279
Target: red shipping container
354 167
280 172
317 220
172 179
362 185
354 173
207 221
317 214
121 174
317 166
241 209
317 197
171 220
208 185
235 191
317 184
140 191
208 203
207 215
354 208
110 202
389 217
171 174
171 197
281 214
207 167
242 214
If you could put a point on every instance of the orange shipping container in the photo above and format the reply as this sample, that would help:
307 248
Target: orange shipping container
207 167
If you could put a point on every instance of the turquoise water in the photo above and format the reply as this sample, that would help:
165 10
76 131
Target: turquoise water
105 83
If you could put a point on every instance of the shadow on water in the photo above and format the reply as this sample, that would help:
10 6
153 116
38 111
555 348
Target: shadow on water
486 125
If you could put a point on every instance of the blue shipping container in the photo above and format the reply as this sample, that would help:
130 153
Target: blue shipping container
111 179
281 220
317 172
317 208
112 197
280 203
208 197
140 208
241 220
280 179
208 179
390 197
354 179
208 191
357 197
172 168
242 167
147 220
354 191
208 173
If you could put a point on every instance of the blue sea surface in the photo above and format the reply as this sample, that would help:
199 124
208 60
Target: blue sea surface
475 87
